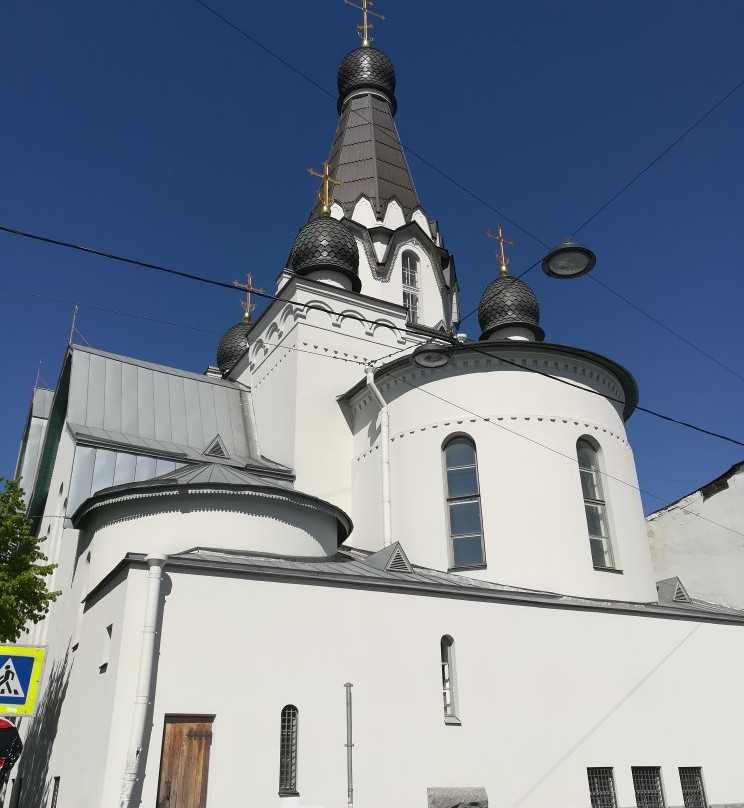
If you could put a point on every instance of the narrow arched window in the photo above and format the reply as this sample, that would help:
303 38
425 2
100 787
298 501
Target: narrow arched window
463 503
288 751
595 506
411 285
449 693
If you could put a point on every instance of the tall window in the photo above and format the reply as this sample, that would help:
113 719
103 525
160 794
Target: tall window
594 505
411 285
647 784
288 751
463 503
601 787
693 792
449 696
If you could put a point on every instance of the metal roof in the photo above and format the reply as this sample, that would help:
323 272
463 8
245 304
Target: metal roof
120 402
367 156
349 567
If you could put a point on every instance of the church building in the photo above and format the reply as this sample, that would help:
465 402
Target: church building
364 560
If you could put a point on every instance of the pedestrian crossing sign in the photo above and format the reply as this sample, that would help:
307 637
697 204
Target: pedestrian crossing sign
20 674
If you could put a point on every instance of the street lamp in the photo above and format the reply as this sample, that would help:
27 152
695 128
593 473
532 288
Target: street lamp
431 355
568 260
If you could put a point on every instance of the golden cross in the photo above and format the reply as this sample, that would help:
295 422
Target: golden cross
503 260
248 287
364 29
324 196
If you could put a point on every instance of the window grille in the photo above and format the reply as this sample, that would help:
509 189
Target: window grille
647 784
463 503
55 793
288 751
411 286
447 645
595 506
693 792
601 787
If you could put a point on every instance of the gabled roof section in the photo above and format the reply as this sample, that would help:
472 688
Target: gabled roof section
390 559
367 156
672 590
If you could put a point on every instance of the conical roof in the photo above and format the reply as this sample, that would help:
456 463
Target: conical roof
367 155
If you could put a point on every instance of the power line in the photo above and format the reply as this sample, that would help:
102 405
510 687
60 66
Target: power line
559 453
176 272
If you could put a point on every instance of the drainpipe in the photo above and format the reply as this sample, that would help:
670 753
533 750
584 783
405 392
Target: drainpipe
387 529
249 414
349 747
155 562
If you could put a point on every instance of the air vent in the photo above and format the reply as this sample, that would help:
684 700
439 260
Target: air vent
398 562
216 449
680 594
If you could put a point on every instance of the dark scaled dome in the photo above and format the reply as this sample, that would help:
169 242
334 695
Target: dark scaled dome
366 68
508 302
232 346
326 243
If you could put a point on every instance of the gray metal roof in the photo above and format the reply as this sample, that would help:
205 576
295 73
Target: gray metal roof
367 156
349 567
210 474
125 403
41 402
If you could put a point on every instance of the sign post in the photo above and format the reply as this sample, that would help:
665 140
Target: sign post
20 674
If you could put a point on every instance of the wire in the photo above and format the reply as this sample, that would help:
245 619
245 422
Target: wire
558 452
177 272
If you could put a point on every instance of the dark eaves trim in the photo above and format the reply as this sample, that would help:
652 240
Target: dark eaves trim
414 587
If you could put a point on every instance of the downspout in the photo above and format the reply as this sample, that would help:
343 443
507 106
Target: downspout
349 747
387 529
249 416
155 562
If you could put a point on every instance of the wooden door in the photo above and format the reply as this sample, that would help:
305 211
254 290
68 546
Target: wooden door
184 761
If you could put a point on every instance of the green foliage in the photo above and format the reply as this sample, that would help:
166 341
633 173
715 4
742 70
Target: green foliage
23 591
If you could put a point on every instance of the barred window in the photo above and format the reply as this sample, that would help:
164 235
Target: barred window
693 792
601 787
411 286
647 785
288 751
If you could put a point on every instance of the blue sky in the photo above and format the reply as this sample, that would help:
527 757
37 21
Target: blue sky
156 131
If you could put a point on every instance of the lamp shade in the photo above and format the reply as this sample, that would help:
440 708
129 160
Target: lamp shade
569 260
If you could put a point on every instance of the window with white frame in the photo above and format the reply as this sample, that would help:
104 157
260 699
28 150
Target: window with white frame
411 285
449 695
647 785
463 503
601 787
288 751
595 506
693 791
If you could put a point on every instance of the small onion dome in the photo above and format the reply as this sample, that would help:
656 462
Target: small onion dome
233 345
509 303
366 69
326 244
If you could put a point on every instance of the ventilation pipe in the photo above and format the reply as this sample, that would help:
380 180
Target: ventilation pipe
387 529
155 562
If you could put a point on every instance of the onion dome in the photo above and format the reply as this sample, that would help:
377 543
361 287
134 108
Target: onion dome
366 69
233 345
325 244
509 303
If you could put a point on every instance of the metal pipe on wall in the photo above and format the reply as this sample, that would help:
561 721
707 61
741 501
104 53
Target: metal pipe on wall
387 529
349 747
155 562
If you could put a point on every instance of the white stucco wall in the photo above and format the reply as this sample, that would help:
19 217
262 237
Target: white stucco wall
543 693
534 524
706 554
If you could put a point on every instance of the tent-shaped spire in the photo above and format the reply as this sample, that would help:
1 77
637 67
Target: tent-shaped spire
367 155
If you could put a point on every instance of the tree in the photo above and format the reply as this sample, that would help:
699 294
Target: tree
24 597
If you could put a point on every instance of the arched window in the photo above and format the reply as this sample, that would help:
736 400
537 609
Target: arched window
449 694
411 285
288 751
463 503
594 505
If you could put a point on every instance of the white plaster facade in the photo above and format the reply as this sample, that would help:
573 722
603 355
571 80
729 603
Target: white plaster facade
276 589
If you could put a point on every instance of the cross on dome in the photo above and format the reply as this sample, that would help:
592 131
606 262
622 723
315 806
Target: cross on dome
503 260
364 29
